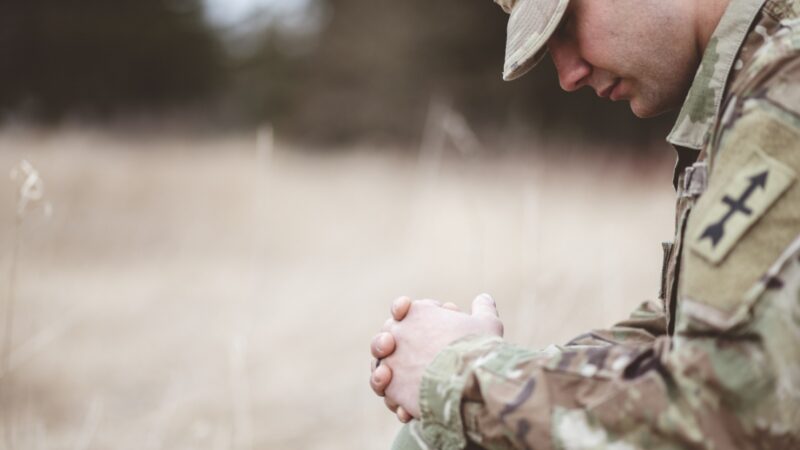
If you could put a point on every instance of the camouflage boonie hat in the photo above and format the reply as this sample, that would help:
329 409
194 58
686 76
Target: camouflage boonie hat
531 24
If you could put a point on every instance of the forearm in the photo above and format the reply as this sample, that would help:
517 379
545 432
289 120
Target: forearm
647 322
503 396
452 380
717 384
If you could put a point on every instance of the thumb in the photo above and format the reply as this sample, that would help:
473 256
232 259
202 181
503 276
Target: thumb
484 305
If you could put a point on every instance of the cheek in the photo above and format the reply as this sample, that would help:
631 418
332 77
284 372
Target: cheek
670 72
601 45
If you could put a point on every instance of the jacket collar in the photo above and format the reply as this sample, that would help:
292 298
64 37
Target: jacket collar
702 104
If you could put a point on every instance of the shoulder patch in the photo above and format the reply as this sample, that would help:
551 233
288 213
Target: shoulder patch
748 215
744 199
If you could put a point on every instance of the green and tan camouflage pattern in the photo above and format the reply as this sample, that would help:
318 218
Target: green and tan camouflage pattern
701 107
715 362
530 25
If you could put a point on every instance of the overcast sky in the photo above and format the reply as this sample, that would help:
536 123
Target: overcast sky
226 12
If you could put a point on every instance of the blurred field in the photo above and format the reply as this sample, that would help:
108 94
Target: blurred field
215 293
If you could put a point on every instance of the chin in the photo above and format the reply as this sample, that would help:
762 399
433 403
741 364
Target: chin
645 111
646 105
643 114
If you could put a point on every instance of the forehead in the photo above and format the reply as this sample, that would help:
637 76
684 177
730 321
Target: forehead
600 19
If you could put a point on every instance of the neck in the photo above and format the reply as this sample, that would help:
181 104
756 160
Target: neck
707 14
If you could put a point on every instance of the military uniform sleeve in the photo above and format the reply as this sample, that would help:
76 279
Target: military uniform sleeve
730 375
734 387
446 380
729 383
645 323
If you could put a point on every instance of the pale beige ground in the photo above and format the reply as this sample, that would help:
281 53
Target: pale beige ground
195 293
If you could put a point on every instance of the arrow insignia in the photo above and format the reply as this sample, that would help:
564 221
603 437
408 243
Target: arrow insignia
716 231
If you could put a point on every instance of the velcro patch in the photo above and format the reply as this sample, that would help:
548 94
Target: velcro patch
745 198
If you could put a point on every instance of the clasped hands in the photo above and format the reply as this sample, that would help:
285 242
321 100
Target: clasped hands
411 339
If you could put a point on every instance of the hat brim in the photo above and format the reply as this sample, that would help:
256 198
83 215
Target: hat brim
530 26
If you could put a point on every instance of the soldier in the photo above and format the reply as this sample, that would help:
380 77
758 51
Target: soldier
715 362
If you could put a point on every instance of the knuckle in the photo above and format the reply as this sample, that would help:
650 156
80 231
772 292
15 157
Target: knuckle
419 305
378 391
492 325
374 348
386 341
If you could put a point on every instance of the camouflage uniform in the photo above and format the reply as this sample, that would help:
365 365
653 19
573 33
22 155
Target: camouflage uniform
715 363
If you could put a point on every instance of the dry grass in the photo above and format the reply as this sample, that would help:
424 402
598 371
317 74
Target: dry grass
193 293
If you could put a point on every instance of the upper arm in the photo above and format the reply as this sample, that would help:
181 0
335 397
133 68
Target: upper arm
751 211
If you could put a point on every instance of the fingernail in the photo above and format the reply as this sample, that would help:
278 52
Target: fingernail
488 298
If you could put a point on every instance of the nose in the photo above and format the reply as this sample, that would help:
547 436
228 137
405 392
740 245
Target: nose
573 71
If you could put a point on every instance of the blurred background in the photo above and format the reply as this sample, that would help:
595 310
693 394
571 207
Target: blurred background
212 204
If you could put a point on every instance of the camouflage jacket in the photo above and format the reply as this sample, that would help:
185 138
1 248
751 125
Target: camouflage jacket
715 363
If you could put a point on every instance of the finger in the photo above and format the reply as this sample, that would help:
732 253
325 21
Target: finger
388 324
381 377
484 305
400 308
390 404
451 306
383 345
403 415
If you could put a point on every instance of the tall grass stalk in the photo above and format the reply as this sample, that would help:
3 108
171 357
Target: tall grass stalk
10 295
31 191
242 421
6 397
240 390
90 424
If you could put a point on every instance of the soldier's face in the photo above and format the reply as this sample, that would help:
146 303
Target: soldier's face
642 51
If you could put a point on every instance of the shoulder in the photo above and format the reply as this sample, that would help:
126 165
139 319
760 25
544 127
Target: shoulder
750 213
772 73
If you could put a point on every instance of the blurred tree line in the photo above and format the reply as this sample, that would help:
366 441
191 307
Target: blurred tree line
368 71
100 57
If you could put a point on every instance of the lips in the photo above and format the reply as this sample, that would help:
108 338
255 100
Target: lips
606 92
